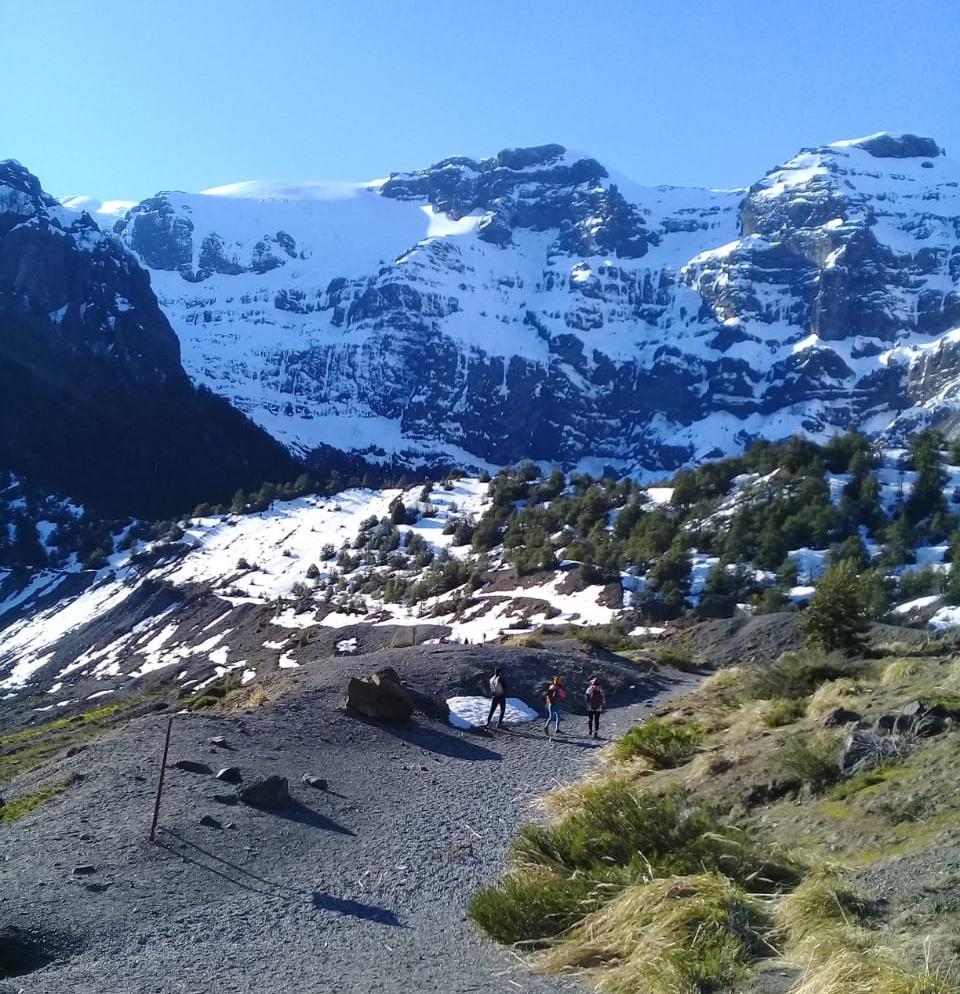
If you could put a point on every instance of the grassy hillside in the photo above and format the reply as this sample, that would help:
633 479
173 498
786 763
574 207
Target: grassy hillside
724 845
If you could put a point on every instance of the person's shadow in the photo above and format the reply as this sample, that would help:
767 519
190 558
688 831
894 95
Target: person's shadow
355 909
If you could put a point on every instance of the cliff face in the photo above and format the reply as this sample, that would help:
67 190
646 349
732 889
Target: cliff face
93 399
534 305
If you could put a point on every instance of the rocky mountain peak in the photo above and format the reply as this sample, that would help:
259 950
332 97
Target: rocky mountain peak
534 305
887 145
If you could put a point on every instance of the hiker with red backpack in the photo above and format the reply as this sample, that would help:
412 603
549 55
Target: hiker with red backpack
554 695
596 702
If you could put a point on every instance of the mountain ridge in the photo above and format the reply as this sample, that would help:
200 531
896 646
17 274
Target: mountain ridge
534 304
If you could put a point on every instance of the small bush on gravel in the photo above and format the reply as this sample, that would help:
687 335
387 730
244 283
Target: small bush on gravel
610 636
525 642
665 745
814 760
531 907
678 658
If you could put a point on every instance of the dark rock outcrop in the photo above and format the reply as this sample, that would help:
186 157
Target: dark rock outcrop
93 399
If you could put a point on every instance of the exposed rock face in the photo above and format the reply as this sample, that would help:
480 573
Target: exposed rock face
532 305
93 399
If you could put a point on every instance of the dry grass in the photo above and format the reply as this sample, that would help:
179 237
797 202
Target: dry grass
682 933
898 671
248 698
855 971
821 904
524 641
731 678
835 694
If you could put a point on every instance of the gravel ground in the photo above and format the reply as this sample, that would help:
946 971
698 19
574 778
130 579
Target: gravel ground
359 888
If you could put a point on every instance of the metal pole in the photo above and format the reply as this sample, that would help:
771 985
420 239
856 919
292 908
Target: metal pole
163 770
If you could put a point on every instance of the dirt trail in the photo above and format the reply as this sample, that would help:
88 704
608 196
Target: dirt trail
361 888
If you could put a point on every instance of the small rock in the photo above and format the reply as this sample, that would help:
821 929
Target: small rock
96 888
317 782
836 717
272 792
230 774
225 798
75 750
84 869
218 740
191 766
210 822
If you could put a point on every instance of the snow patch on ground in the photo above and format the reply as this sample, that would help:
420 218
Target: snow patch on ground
471 712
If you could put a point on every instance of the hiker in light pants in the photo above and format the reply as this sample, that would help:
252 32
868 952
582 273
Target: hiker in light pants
554 695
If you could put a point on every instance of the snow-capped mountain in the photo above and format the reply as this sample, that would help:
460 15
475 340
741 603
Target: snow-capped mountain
536 305
93 399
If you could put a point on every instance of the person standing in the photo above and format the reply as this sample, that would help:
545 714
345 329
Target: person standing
498 694
596 702
554 695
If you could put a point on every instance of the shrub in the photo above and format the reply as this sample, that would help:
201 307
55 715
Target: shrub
783 711
814 760
689 933
665 745
679 658
833 694
798 674
525 641
642 833
532 906
610 636
822 901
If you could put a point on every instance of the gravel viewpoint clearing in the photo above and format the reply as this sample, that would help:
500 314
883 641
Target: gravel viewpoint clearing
362 887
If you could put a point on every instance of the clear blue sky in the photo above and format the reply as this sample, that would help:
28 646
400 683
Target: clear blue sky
119 98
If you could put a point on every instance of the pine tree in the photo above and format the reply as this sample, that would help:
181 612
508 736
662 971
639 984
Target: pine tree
951 586
836 618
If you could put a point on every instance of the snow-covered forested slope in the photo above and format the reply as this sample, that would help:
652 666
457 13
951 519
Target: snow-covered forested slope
535 305
474 560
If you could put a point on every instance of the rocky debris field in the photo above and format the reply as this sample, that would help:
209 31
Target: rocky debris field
762 638
359 883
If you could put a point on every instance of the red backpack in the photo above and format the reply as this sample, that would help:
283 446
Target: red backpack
595 698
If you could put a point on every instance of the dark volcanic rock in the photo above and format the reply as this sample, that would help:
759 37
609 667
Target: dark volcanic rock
230 774
383 700
191 766
271 792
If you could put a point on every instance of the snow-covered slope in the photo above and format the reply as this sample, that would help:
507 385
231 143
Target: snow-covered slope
537 305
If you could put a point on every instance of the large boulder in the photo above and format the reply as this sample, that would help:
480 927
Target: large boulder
271 792
380 698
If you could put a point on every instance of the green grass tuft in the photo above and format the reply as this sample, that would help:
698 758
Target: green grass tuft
665 745
25 803
814 759
532 907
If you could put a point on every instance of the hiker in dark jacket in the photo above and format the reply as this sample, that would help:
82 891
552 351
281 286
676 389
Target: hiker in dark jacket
596 702
498 693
